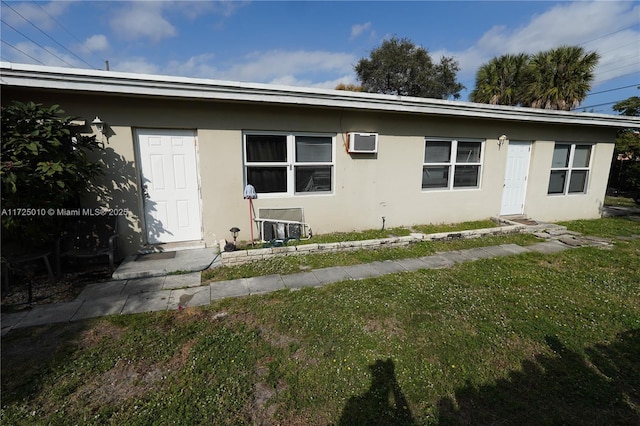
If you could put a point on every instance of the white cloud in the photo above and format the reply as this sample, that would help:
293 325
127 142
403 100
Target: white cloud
96 43
196 66
358 29
578 23
142 20
136 65
291 68
46 55
271 65
39 15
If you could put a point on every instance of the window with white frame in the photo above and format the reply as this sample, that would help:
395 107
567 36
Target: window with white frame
288 164
451 164
570 168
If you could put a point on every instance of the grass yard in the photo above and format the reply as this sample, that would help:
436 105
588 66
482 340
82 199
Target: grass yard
528 339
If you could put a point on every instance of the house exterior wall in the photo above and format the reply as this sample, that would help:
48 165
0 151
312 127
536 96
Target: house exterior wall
365 187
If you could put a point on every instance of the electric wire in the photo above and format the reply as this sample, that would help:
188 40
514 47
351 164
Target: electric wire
36 43
65 29
23 52
47 35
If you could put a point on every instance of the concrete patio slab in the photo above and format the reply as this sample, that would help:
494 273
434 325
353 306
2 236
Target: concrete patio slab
104 306
143 285
100 290
358 272
189 297
192 260
412 264
50 314
183 280
230 288
147 302
265 284
300 280
331 275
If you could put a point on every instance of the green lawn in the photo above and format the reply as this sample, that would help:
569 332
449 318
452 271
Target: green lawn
528 339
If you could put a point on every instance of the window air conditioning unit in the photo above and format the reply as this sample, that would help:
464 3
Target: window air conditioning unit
363 143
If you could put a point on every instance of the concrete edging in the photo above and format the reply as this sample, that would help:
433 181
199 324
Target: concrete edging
505 227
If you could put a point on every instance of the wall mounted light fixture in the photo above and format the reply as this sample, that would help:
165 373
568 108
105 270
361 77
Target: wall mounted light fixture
99 124
501 140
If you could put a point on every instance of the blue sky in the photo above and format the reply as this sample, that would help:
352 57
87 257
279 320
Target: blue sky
316 44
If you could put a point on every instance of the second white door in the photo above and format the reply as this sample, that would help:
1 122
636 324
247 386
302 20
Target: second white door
515 178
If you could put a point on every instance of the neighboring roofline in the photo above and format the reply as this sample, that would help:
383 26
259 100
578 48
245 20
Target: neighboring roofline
86 80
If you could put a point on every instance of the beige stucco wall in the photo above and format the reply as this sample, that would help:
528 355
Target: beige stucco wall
366 187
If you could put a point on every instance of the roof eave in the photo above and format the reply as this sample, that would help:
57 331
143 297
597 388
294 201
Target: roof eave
82 80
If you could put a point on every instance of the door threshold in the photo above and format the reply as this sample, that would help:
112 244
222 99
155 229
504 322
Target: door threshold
178 246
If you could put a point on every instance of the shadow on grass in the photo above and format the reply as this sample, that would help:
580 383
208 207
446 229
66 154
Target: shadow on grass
29 355
383 404
601 386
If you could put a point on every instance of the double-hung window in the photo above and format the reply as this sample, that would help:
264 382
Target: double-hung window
451 164
288 164
569 168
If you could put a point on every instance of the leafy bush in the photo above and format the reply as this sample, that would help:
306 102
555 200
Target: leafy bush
44 166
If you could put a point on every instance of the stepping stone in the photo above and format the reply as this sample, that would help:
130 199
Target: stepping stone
183 280
548 247
230 288
358 272
387 267
300 280
143 285
189 297
147 302
331 275
265 284
104 306
437 262
99 290
412 264
50 314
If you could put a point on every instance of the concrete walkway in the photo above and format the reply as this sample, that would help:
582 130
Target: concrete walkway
176 292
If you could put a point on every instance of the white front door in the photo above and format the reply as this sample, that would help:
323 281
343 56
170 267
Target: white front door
515 178
170 190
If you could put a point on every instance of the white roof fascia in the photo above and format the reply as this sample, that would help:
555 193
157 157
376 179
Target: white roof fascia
85 80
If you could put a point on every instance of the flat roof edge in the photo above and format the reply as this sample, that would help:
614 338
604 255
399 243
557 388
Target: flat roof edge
72 79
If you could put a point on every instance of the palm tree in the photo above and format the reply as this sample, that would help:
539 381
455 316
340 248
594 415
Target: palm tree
559 78
499 81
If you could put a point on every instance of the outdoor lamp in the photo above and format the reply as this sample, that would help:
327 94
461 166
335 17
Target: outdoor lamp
99 124
235 231
502 139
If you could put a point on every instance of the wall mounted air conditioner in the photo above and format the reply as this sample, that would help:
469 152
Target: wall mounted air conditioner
363 143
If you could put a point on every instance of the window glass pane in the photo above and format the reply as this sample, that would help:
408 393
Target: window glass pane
267 179
578 181
468 152
266 148
437 152
560 156
435 177
313 149
581 156
556 181
466 176
313 179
